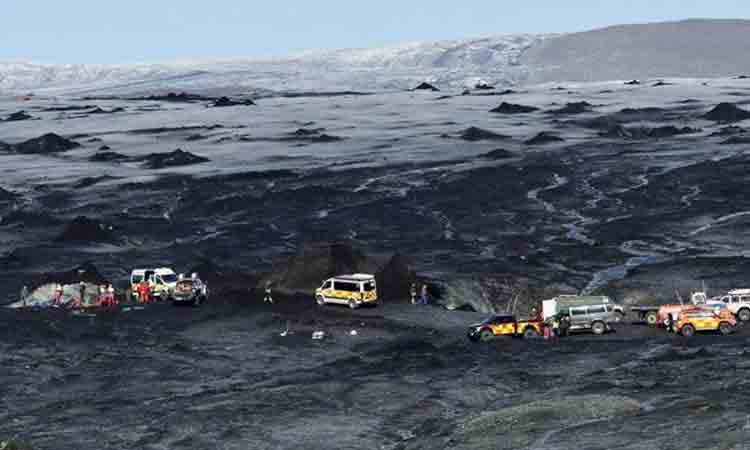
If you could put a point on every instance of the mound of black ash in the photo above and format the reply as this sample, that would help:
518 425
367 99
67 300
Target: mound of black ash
473 134
83 229
18 116
98 110
176 158
511 108
425 86
619 131
182 97
499 153
46 144
573 108
727 113
544 138
69 108
313 135
223 102
394 280
106 156
91 181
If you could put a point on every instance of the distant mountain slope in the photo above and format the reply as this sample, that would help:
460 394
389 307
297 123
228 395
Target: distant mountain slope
694 48
691 48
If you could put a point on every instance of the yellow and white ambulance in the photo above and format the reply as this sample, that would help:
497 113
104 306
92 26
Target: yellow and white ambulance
352 290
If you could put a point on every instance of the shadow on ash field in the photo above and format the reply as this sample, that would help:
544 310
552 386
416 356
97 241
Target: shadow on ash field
642 195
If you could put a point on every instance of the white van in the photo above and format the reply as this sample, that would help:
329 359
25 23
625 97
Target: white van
163 281
351 290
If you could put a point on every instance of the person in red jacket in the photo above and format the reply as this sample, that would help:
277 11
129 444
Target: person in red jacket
144 292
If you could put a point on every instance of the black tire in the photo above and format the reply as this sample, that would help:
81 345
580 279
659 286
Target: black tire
352 304
651 318
688 330
486 335
530 333
743 314
320 300
725 328
598 328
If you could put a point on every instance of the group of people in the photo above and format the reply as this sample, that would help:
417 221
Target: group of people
424 295
555 327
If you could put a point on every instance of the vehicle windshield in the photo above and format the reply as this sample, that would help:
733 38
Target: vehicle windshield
369 286
169 278
492 320
137 278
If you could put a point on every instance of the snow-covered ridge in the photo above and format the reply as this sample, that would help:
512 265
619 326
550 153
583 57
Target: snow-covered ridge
687 49
449 63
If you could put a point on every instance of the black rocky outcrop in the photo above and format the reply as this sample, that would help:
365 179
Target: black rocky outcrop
176 158
46 144
544 138
727 113
633 83
426 87
473 134
511 108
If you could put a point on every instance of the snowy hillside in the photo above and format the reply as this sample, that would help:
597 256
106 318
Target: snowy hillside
449 63
694 48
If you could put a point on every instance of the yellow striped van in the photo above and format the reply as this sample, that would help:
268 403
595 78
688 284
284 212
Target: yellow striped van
351 290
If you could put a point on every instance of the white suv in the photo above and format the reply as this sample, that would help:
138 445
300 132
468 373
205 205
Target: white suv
737 302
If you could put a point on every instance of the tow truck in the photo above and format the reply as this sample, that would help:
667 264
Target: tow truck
504 325
658 315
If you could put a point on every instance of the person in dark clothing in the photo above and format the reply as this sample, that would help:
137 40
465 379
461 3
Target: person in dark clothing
670 323
82 287
565 326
